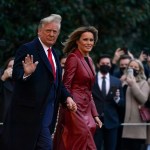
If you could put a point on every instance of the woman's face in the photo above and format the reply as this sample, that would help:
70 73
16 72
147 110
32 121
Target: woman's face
85 43
134 65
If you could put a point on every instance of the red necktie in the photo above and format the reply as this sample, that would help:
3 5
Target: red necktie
51 62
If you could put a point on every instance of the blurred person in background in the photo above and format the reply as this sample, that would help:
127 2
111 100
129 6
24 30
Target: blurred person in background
145 59
120 60
122 65
6 86
62 62
75 130
136 93
122 57
119 73
6 89
107 102
148 126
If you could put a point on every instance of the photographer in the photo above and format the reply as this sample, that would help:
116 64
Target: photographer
136 93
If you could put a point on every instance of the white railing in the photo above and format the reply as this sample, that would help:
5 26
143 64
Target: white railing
1 123
135 124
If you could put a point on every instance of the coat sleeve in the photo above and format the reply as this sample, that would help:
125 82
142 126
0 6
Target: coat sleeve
64 94
70 70
140 91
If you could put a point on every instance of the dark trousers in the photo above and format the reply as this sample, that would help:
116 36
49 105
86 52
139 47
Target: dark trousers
119 138
106 138
44 140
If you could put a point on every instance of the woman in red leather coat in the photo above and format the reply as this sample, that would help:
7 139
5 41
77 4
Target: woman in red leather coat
75 130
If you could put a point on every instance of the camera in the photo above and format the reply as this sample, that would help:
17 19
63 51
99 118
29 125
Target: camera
130 71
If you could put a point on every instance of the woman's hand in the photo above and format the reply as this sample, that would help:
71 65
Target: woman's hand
7 74
98 122
130 80
71 105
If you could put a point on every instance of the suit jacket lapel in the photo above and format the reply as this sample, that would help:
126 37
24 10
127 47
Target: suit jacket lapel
112 86
58 68
91 65
97 89
86 66
43 56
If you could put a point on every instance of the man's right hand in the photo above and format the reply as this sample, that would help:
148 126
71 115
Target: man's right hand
28 65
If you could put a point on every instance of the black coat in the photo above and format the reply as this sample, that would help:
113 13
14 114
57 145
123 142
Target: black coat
107 107
30 97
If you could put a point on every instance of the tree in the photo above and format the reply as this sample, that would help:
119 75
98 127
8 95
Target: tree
120 23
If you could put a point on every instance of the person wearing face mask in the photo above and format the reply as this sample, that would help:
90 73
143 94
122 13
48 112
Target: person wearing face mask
136 94
108 96
6 89
118 71
145 59
120 61
6 86
148 127
123 63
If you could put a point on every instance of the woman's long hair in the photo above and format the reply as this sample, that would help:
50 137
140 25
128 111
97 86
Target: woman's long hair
70 43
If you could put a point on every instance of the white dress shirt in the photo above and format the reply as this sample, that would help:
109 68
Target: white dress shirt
45 49
107 80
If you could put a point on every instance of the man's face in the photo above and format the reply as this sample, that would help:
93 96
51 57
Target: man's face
48 33
124 63
104 65
105 61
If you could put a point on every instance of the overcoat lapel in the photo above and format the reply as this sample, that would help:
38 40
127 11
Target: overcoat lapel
86 66
43 56
112 85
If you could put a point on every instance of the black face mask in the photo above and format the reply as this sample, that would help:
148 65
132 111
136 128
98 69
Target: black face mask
144 62
104 69
135 72
122 70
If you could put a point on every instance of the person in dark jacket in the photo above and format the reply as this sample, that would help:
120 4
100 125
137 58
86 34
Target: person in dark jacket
108 96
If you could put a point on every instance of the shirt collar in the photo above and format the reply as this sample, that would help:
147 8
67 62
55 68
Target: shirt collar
44 46
107 76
